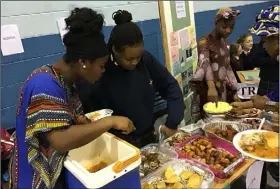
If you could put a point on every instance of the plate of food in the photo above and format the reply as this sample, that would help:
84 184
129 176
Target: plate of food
221 108
258 144
244 113
94 116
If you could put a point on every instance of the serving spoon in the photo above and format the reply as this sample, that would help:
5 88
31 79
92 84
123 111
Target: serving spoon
261 124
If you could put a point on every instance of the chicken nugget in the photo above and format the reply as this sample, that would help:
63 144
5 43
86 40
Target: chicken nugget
202 147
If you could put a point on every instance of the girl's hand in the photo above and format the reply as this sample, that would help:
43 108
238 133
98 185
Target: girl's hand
122 124
82 119
167 131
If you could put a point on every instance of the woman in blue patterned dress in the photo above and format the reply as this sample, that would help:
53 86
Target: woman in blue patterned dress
49 120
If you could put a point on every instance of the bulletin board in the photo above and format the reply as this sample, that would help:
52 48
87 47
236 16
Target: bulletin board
179 43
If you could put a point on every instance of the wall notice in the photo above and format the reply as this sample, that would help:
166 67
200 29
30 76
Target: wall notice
61 27
184 39
192 35
175 53
10 40
195 58
180 9
174 39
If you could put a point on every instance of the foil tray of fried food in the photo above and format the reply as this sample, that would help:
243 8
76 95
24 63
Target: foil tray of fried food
153 157
218 155
225 130
176 139
179 174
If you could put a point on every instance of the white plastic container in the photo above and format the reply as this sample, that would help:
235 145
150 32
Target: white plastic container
94 116
123 159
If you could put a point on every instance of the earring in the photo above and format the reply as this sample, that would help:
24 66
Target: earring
84 66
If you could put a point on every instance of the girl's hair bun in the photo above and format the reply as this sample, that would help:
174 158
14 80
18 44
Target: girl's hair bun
84 20
122 17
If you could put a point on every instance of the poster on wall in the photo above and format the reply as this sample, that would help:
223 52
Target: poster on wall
175 53
182 62
184 39
195 59
10 40
192 35
180 9
189 53
174 39
180 23
176 68
61 27
184 75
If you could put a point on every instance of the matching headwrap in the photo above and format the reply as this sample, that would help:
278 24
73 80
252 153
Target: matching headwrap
267 22
226 13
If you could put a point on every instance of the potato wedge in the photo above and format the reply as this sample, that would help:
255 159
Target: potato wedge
185 175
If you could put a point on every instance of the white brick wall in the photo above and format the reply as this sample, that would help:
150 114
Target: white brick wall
37 18
200 6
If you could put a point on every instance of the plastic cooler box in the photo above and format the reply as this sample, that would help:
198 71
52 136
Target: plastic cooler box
122 172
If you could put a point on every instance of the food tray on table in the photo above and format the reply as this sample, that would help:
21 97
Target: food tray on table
180 174
177 138
218 155
254 122
153 157
183 133
244 113
192 129
224 130
219 108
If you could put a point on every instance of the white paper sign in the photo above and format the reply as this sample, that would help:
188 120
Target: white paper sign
180 9
10 40
247 90
184 39
62 27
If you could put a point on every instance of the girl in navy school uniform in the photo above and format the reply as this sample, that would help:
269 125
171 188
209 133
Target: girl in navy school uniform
131 79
